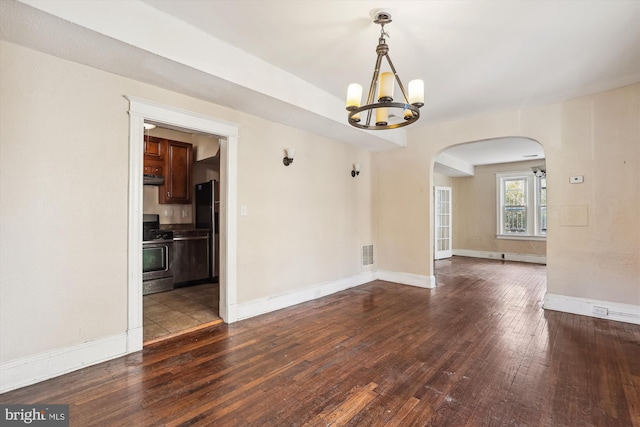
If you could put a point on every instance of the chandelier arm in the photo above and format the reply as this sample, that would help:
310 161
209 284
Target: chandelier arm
404 92
395 114
372 87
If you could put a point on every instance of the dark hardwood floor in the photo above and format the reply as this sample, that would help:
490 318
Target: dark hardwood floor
476 351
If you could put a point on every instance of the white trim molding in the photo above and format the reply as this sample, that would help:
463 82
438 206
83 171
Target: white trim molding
40 367
139 111
276 302
419 280
619 312
504 256
271 303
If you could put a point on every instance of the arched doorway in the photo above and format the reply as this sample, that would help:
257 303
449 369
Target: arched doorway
498 199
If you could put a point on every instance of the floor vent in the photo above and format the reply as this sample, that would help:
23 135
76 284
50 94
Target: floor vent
367 255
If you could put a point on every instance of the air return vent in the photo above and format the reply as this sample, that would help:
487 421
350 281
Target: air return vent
367 255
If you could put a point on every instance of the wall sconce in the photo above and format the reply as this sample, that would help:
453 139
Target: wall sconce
356 170
288 159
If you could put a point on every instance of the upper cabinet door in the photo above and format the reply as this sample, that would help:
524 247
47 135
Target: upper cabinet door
153 147
177 181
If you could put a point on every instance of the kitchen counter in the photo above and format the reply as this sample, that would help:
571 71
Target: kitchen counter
182 228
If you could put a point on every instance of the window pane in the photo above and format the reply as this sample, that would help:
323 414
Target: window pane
543 219
515 219
514 192
543 191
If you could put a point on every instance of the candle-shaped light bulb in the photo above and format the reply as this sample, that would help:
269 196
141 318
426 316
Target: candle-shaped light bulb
416 92
408 114
382 116
354 96
357 167
385 90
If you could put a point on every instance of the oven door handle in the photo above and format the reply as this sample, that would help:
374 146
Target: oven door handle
190 238
152 242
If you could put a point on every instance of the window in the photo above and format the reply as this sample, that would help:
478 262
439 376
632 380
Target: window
522 205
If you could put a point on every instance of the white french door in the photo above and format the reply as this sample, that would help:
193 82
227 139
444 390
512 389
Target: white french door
443 223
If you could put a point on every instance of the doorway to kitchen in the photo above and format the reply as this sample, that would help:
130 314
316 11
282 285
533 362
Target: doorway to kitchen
142 111
187 166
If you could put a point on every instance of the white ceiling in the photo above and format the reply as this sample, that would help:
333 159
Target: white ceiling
291 61
474 56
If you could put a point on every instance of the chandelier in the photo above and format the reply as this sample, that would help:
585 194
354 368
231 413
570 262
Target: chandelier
388 114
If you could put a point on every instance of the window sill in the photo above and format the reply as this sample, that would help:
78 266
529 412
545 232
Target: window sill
521 237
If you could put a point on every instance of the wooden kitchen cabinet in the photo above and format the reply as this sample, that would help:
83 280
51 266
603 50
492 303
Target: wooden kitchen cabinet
190 256
178 160
153 155
153 168
153 147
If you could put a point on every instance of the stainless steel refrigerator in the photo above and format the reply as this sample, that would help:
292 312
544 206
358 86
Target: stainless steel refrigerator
207 204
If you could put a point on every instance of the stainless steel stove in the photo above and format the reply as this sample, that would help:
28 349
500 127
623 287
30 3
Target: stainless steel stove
157 254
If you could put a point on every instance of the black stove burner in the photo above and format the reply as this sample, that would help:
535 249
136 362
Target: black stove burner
157 235
151 229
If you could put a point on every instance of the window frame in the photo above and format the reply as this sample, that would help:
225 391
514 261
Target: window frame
533 229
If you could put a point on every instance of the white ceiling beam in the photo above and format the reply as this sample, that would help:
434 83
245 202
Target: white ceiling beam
142 26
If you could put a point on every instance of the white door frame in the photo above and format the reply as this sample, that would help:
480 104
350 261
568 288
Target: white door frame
440 254
139 111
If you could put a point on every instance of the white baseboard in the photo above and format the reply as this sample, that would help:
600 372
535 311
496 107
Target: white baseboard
506 256
135 337
587 307
277 302
33 369
30 370
407 278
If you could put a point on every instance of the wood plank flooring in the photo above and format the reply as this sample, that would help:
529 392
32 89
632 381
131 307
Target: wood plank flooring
476 351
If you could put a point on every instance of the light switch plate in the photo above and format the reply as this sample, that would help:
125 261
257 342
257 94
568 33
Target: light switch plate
578 179
243 210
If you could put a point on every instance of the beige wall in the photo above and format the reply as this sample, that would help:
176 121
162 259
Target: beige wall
64 178
596 136
63 203
474 212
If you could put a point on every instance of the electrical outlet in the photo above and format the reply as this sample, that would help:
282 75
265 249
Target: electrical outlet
600 311
579 179
168 212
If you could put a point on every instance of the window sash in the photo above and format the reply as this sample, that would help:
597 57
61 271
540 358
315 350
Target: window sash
520 211
514 220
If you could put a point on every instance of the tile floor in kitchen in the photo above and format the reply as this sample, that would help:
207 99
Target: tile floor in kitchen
172 312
